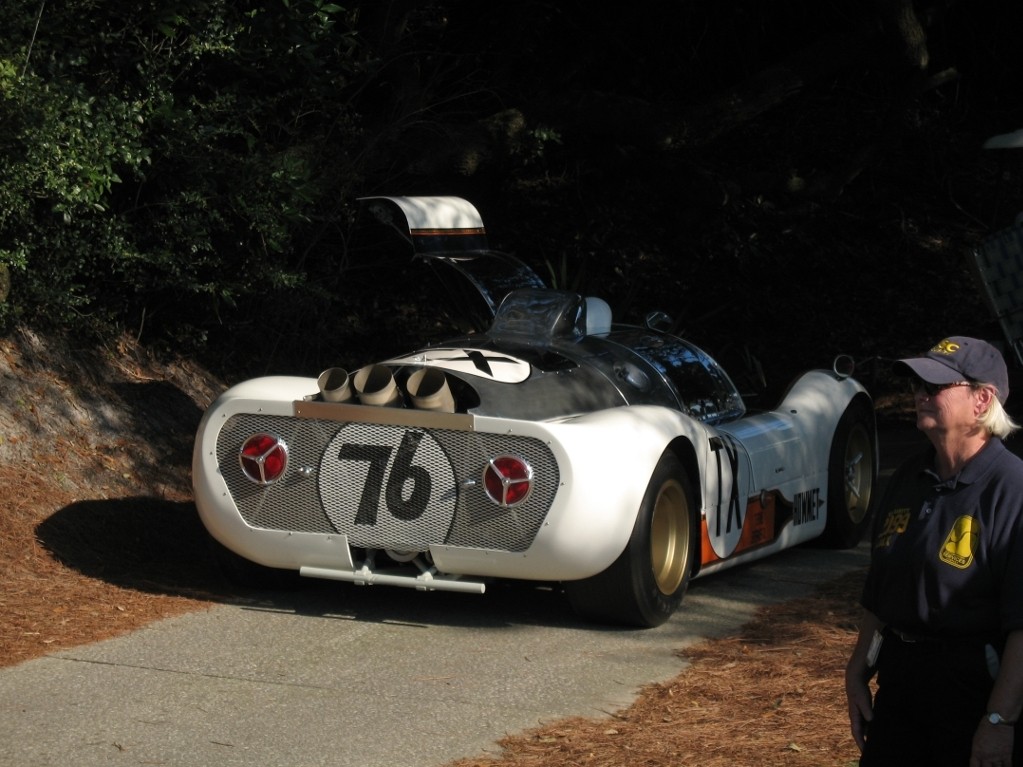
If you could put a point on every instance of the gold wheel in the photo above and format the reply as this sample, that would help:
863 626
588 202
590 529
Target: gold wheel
645 585
669 537
858 473
852 474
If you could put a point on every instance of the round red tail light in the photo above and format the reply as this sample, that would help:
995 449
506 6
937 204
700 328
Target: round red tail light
508 480
264 458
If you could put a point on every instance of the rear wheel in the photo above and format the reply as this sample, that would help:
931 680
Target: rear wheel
645 585
852 476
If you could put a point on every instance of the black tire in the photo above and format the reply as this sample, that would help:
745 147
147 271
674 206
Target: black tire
852 477
645 585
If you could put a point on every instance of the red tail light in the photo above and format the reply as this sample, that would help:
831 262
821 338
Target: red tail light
508 480
264 458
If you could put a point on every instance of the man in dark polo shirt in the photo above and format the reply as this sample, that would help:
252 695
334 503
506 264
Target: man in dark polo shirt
943 600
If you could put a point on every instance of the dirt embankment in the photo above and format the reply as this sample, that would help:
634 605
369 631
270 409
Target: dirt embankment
98 534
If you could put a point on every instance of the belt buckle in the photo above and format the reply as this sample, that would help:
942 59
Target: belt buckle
904 637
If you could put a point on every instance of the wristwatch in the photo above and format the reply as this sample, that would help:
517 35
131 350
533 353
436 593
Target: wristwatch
995 718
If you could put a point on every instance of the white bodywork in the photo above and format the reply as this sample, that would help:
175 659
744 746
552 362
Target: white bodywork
605 459
387 493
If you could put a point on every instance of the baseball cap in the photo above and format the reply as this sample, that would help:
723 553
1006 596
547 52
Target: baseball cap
959 358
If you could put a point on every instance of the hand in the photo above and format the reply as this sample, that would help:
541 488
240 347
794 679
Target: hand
992 745
861 710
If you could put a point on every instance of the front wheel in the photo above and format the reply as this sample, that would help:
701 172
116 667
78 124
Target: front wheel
852 476
645 585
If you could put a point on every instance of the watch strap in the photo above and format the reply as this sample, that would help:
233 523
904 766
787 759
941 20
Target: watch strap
994 717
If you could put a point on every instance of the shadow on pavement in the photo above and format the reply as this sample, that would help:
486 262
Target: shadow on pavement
161 547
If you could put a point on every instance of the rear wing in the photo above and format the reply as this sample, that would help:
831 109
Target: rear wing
447 225
448 235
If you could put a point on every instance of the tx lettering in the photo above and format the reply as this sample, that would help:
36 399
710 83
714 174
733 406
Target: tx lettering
805 506
734 509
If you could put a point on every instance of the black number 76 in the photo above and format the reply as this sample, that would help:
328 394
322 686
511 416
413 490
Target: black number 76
377 457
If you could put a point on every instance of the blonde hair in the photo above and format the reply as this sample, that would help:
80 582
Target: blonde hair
997 422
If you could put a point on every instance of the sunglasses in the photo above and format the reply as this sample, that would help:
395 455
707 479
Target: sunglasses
931 389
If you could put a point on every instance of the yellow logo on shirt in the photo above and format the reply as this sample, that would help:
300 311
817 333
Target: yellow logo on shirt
961 543
895 522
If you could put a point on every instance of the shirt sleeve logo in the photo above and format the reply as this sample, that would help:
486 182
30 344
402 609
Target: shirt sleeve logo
895 522
961 543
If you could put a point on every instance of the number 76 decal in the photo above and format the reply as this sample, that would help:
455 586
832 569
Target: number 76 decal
386 479
378 456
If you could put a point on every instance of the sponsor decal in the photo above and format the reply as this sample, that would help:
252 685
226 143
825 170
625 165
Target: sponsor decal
806 507
757 531
961 543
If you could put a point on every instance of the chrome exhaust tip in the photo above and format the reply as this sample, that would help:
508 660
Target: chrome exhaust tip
334 385
428 389
374 385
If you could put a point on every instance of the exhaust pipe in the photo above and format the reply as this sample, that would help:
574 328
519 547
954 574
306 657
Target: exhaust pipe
428 388
374 385
334 385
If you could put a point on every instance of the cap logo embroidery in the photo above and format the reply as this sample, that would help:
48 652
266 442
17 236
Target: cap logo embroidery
945 347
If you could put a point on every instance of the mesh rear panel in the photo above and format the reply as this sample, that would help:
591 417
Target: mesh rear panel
361 488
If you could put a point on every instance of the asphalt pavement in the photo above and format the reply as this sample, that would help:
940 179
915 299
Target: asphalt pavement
351 676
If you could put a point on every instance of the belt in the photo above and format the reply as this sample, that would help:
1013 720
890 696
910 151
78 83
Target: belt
905 636
911 638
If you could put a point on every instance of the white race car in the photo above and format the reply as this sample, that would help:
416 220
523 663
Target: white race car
556 446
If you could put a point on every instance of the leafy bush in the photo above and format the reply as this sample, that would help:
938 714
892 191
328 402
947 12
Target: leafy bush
159 161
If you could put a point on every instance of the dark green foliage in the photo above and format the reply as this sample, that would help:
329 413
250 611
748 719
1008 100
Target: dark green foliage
187 170
163 160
